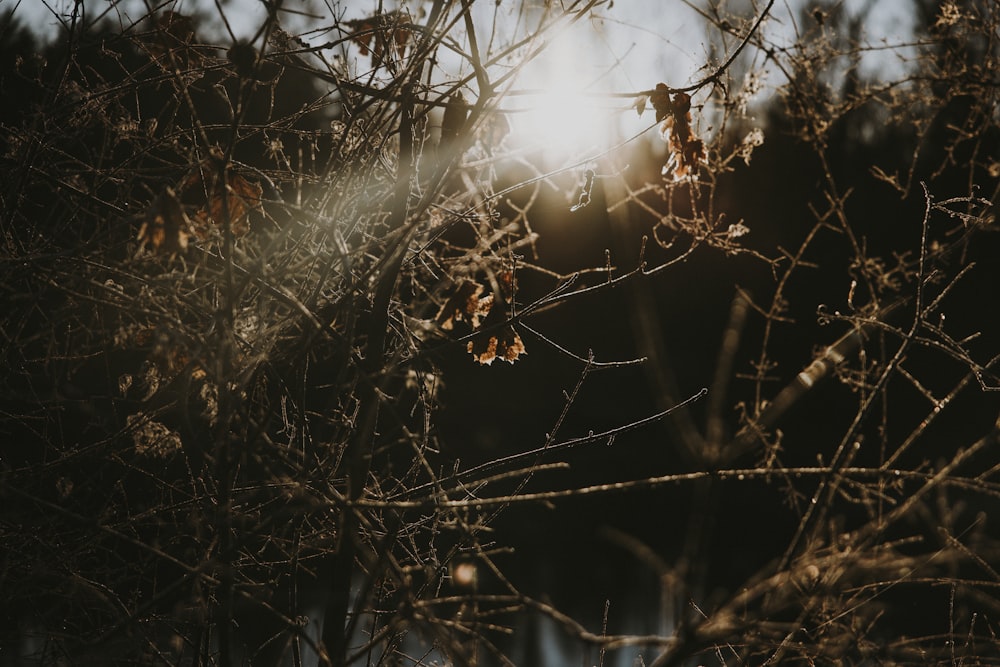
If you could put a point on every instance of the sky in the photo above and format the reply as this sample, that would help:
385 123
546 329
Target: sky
626 45
631 30
627 41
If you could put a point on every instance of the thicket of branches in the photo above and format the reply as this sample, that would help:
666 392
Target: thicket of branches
233 273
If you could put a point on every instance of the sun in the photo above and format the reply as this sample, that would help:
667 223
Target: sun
557 111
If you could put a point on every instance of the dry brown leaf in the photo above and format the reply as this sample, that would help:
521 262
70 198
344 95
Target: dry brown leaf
639 104
165 227
216 206
674 116
467 308
464 306
200 207
505 345
507 283
152 438
661 101
381 34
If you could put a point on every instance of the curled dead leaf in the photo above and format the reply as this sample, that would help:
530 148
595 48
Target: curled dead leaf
507 282
640 104
674 115
500 341
381 34
661 101
217 205
464 306
201 207
505 345
165 227
152 438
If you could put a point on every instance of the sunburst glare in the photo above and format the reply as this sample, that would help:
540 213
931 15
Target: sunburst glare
558 111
